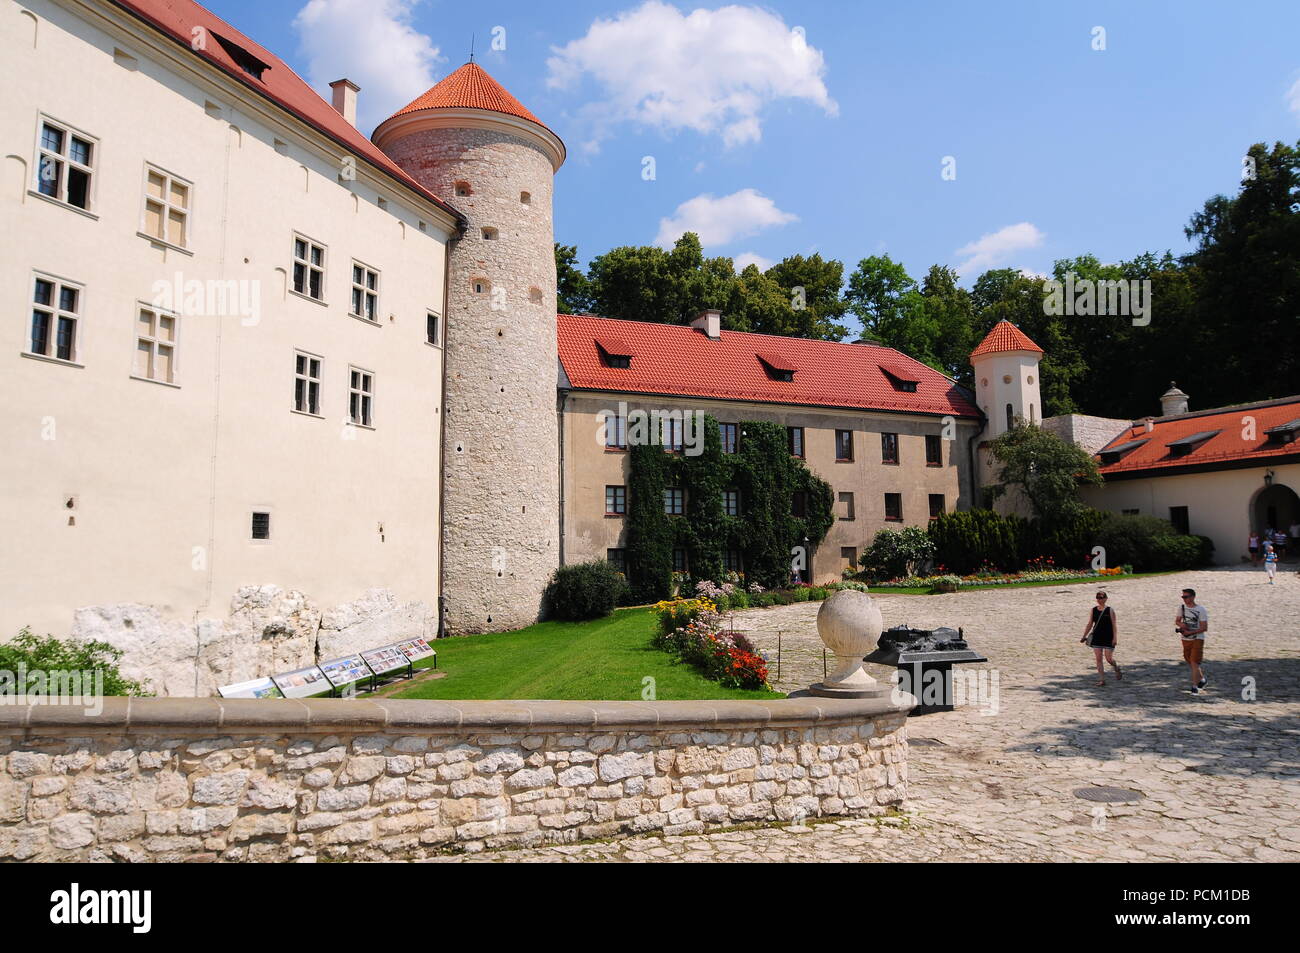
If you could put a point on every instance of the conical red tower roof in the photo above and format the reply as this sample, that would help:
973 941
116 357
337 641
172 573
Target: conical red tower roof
470 87
1005 336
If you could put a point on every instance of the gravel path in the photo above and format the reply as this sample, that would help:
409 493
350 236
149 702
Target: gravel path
995 780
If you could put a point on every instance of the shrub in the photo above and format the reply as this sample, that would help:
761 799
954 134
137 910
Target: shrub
799 594
898 553
33 653
677 613
817 594
586 590
780 598
739 600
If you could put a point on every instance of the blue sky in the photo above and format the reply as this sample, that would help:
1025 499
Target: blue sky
833 141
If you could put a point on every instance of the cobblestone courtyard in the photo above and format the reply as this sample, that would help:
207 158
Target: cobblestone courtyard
1219 774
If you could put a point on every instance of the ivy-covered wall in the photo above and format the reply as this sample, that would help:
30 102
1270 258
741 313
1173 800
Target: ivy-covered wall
765 532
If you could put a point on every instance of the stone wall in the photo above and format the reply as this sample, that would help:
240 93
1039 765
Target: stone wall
235 780
269 630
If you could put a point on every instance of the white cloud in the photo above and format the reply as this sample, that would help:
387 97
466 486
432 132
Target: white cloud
1293 98
372 43
721 220
712 71
745 259
994 248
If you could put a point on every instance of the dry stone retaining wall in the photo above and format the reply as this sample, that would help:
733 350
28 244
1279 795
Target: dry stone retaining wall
279 780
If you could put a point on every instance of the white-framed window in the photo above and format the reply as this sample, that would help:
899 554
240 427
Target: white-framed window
166 207
65 164
433 328
306 383
365 292
361 397
155 344
56 309
308 268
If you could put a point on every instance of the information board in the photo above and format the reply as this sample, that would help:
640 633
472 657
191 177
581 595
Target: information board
345 670
302 682
416 649
253 688
386 658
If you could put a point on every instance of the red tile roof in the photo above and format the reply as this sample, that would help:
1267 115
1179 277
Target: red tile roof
1005 336
470 87
178 20
1228 447
680 361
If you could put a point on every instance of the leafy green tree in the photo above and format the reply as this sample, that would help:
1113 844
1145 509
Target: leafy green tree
573 290
884 298
817 309
33 653
1047 470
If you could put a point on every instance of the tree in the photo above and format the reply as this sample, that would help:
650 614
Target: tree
883 296
816 311
1047 470
573 290
647 283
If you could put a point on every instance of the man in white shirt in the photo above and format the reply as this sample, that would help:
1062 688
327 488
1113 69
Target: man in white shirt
1191 623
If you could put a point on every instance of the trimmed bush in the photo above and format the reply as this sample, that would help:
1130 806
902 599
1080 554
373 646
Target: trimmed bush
585 590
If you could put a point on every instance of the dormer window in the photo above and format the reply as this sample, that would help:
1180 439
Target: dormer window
900 377
614 353
1118 453
245 60
1186 445
778 367
1283 433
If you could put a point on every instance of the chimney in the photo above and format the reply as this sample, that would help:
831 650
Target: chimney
345 99
1173 401
1148 424
710 322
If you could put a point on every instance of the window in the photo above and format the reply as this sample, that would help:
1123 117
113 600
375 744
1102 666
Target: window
679 560
674 501
56 307
937 505
849 557
621 361
672 434
480 286
65 164
261 528
889 448
615 500
799 504
306 383
1178 515
795 435
846 501
166 207
365 292
730 434
155 346
431 326
1130 512
731 502
843 445
1011 418
731 560
361 395
463 189
525 198
933 450
894 507
615 432
490 234
617 558
308 268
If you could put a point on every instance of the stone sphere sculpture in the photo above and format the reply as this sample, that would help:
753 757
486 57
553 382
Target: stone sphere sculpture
849 623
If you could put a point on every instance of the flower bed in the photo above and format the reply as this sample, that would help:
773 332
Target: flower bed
691 630
950 582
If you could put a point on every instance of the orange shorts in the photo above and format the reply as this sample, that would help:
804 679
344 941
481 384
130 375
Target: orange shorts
1193 650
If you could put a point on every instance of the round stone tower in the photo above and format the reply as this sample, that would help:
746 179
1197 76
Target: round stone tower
478 148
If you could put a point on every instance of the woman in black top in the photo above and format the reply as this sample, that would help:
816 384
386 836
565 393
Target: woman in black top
1104 636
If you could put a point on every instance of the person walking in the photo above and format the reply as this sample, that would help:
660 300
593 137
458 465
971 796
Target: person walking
1252 545
1295 535
1104 637
1191 623
1270 562
1280 540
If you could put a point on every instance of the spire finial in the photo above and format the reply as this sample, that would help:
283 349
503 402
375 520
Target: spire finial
471 47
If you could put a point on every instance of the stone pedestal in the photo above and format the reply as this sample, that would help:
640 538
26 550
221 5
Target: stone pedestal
849 623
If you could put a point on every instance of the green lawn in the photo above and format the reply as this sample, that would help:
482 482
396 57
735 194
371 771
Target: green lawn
606 659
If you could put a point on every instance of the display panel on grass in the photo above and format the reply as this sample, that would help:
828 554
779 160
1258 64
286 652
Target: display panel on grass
253 688
302 683
416 649
386 658
345 670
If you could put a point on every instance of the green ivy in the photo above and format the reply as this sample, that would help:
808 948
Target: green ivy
766 531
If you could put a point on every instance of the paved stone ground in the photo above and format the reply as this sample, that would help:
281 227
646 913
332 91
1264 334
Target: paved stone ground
995 780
